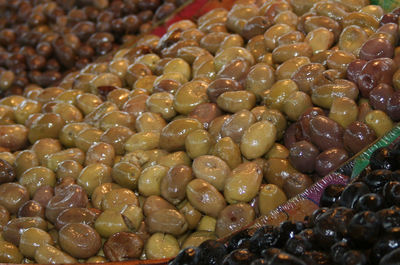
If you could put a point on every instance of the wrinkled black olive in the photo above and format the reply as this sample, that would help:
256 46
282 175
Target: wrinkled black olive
382 158
239 240
239 257
364 228
287 230
387 243
370 202
389 218
264 237
330 195
297 245
392 193
352 193
337 251
211 252
376 179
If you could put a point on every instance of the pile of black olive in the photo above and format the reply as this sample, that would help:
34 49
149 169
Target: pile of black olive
356 224
42 41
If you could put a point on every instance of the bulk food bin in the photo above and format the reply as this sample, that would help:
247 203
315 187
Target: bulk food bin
255 84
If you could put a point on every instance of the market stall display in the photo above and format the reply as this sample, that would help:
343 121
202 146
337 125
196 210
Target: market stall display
176 140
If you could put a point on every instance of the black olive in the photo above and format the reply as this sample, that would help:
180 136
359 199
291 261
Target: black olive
264 237
326 231
387 243
298 245
211 252
382 158
337 251
389 218
187 256
364 228
352 193
309 235
269 253
287 230
316 215
238 257
354 257
286 259
239 240
370 202
391 258
392 195
330 195
316 258
376 179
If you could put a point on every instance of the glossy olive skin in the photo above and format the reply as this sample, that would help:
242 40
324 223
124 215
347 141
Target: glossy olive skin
326 133
123 245
358 135
7 172
302 156
329 160
374 72
80 247
376 48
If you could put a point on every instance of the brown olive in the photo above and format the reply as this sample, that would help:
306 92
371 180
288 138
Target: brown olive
220 86
122 246
7 172
302 156
14 228
13 196
31 208
205 113
173 185
380 95
155 203
357 136
66 197
71 240
296 183
329 160
375 72
43 195
233 218
255 26
75 215
393 106
376 48
326 133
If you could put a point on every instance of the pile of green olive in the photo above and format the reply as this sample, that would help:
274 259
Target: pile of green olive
193 135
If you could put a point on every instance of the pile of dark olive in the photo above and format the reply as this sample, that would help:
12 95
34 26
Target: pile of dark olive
192 136
41 41
358 224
